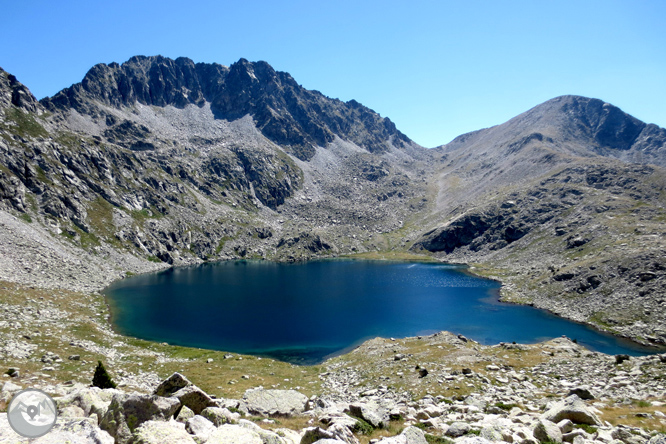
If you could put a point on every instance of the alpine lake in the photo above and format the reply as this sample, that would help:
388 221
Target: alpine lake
304 313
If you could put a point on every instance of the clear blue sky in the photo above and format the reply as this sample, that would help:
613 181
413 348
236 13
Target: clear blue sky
436 68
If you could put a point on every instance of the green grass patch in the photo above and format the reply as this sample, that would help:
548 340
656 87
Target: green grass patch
432 439
363 427
25 124
26 217
586 428
504 406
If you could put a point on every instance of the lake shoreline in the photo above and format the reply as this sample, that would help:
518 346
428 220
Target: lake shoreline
594 338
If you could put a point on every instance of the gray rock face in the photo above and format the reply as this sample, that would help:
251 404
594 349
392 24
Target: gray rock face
200 426
273 403
458 429
335 432
171 385
547 431
235 434
572 408
582 392
162 432
285 112
372 413
194 398
218 415
91 400
127 412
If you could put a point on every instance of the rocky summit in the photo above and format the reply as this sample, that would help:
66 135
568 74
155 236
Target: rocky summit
156 163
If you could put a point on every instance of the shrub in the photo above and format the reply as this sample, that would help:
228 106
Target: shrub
101 378
363 427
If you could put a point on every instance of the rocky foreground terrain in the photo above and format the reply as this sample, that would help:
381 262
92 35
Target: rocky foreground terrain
157 163
438 388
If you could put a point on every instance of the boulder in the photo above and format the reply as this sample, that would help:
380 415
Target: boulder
194 398
127 412
219 416
234 434
492 433
414 435
336 432
411 435
184 414
162 432
479 440
572 408
658 439
199 426
273 403
266 436
547 431
338 418
92 400
171 385
458 429
372 413
565 426
581 392
71 411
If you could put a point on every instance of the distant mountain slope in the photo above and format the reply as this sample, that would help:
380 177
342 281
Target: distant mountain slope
284 112
558 132
549 203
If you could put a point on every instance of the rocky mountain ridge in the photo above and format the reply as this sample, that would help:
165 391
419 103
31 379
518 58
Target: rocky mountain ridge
283 111
160 162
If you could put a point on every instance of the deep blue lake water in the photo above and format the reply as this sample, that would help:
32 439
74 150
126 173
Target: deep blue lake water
305 312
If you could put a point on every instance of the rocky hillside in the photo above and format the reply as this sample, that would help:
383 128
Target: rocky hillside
549 204
122 167
160 162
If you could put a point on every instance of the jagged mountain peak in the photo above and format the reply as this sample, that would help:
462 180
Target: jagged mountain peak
571 125
285 112
13 92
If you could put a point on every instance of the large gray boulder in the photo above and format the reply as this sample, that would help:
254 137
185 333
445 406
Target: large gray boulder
171 385
370 412
335 431
266 436
219 416
187 393
162 432
127 412
658 439
411 435
457 429
547 431
92 400
234 434
274 403
194 398
200 427
572 408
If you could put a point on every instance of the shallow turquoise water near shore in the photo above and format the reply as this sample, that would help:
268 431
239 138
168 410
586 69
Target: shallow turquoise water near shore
305 312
